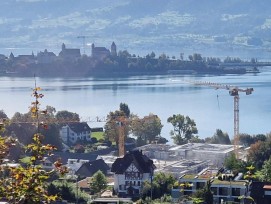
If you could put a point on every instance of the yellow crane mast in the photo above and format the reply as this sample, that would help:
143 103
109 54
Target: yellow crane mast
233 91
121 121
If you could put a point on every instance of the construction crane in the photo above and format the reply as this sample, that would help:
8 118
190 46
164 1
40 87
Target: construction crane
83 37
121 122
233 91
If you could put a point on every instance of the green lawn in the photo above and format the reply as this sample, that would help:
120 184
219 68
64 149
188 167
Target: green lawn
98 135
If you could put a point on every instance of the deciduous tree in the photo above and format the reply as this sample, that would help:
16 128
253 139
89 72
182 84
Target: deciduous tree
265 173
146 129
125 108
259 152
183 128
27 184
67 116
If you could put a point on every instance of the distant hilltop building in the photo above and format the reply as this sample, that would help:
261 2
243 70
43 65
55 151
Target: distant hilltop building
102 52
69 54
45 57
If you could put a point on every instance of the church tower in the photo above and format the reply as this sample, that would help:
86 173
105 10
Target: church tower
92 50
63 46
113 49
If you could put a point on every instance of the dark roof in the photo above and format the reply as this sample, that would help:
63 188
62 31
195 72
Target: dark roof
79 127
90 168
64 156
70 52
141 161
46 53
100 49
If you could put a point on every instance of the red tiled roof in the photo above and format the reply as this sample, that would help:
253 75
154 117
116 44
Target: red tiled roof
268 187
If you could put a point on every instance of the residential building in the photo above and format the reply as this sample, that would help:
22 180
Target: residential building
261 192
69 53
73 132
99 52
88 169
224 188
46 57
25 59
73 161
130 172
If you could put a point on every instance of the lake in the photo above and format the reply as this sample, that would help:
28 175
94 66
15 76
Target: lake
161 95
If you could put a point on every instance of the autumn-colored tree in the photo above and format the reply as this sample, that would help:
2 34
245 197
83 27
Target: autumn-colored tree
259 152
114 121
27 184
146 129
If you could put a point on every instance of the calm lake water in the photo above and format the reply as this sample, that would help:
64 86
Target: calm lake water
161 95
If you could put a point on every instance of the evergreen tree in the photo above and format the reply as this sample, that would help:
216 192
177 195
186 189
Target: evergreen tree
98 182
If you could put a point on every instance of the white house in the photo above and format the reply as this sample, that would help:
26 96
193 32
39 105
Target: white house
130 172
73 132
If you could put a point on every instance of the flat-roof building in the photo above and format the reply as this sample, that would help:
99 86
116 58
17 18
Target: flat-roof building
215 153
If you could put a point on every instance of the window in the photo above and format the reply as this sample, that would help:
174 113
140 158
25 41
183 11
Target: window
214 190
223 191
235 191
132 175
187 192
200 185
138 183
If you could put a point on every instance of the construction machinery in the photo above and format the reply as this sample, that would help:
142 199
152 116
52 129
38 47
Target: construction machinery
233 91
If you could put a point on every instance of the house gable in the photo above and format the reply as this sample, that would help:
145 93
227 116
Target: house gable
71 132
140 161
90 168
130 172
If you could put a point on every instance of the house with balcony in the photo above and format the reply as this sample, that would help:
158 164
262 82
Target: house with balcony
130 172
225 187
74 132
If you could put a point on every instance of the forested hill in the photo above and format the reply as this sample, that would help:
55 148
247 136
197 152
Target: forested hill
175 26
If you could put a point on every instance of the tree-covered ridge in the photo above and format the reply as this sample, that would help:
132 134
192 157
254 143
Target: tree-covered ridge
172 25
